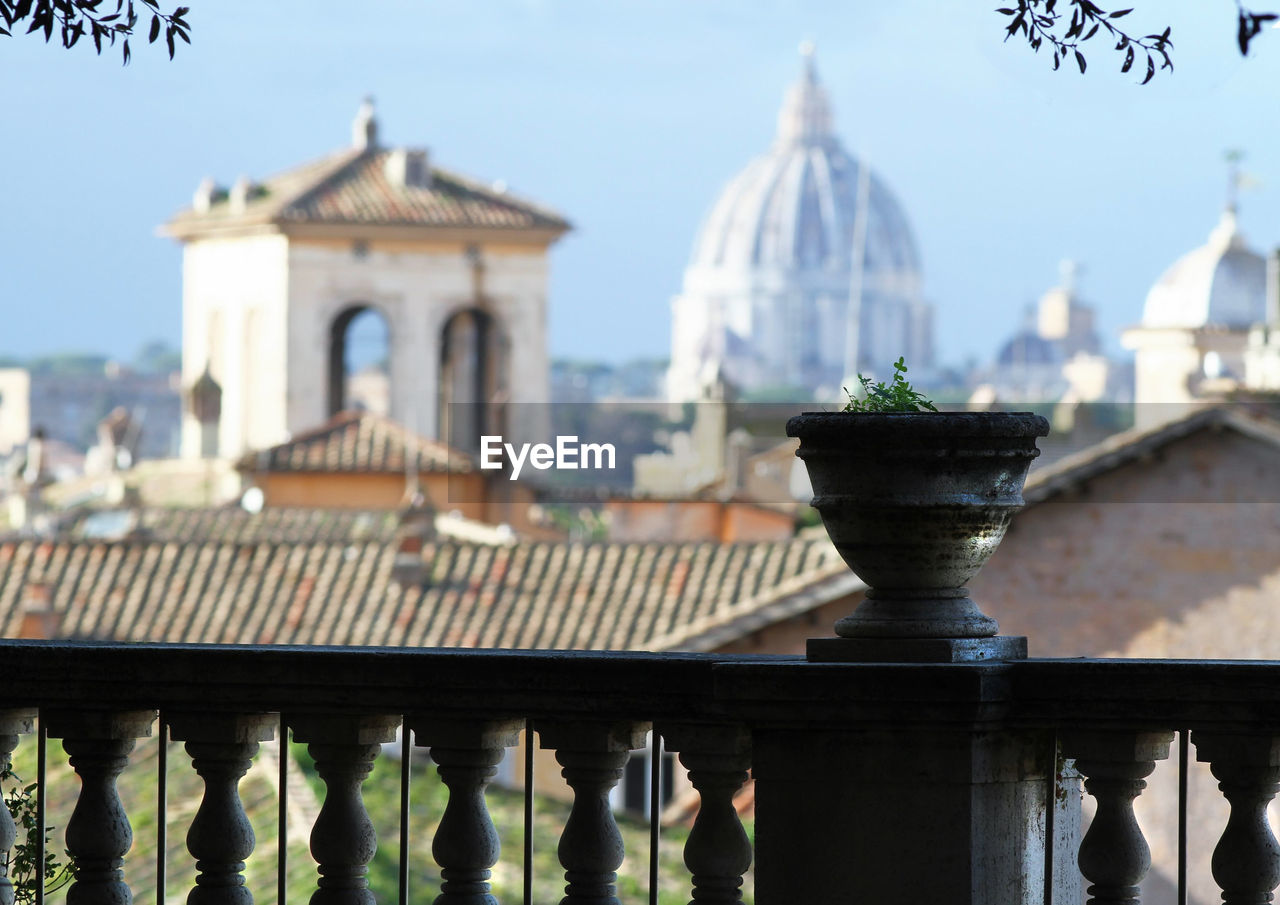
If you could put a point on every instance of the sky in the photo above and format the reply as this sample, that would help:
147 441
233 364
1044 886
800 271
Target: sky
629 116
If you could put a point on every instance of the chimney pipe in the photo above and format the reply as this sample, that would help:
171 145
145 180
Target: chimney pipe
39 622
417 524
1273 290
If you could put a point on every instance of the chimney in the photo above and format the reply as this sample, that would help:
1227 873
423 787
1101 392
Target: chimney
364 128
1273 290
417 525
408 169
206 193
39 622
240 192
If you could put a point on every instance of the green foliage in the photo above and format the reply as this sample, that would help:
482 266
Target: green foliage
21 861
580 523
101 20
68 364
895 396
157 357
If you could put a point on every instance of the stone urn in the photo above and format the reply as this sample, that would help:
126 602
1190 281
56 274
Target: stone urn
916 503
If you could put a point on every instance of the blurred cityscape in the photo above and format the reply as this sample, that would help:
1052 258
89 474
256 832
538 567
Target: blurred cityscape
362 330
376 281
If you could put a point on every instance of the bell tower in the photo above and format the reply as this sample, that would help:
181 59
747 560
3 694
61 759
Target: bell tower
278 275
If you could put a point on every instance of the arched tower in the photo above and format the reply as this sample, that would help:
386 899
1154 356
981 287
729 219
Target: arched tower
274 274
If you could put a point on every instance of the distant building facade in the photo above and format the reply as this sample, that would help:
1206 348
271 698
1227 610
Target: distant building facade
805 269
69 406
274 274
15 408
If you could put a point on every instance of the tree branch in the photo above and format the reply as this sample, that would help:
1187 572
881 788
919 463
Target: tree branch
102 21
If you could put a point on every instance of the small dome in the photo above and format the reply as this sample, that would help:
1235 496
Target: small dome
794 207
1221 284
1027 348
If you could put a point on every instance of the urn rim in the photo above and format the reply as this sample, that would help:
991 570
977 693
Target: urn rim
864 425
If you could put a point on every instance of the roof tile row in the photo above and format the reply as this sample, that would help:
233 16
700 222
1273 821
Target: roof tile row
623 596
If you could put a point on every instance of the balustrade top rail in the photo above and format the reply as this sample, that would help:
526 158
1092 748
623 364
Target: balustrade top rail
758 689
721 714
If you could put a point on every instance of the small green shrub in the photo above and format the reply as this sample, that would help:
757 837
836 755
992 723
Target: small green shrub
20 863
895 396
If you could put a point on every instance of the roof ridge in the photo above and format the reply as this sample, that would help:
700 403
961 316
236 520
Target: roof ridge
505 197
384 431
342 159
802 588
1121 448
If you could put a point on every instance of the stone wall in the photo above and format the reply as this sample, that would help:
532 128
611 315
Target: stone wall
1140 549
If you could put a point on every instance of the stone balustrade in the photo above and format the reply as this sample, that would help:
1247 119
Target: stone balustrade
880 783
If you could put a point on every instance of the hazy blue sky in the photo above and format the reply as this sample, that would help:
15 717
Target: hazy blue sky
629 116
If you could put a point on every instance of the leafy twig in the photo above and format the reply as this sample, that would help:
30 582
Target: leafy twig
102 21
1040 21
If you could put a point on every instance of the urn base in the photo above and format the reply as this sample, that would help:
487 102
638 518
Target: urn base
917 613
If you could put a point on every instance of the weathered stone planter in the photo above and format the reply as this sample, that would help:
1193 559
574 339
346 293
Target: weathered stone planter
916 503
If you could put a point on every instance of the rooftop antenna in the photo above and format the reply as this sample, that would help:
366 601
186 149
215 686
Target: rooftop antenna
1069 271
1235 179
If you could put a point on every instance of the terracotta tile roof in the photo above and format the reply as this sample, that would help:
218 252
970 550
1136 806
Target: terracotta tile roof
1131 445
592 596
351 187
232 524
357 442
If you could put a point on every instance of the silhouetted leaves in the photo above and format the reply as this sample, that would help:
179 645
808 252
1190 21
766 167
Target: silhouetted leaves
1040 21
1249 25
103 20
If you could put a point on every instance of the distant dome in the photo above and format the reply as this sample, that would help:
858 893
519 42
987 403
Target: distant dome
771 293
1027 348
793 208
1222 283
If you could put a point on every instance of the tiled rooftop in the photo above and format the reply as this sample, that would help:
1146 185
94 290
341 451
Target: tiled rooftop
642 596
232 524
357 441
351 187
1132 445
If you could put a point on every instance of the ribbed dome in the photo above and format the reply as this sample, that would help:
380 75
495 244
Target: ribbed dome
794 207
770 296
1222 283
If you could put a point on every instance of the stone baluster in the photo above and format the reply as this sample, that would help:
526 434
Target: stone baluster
718 851
343 840
1246 861
220 838
98 833
592 755
12 724
466 846
1114 856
